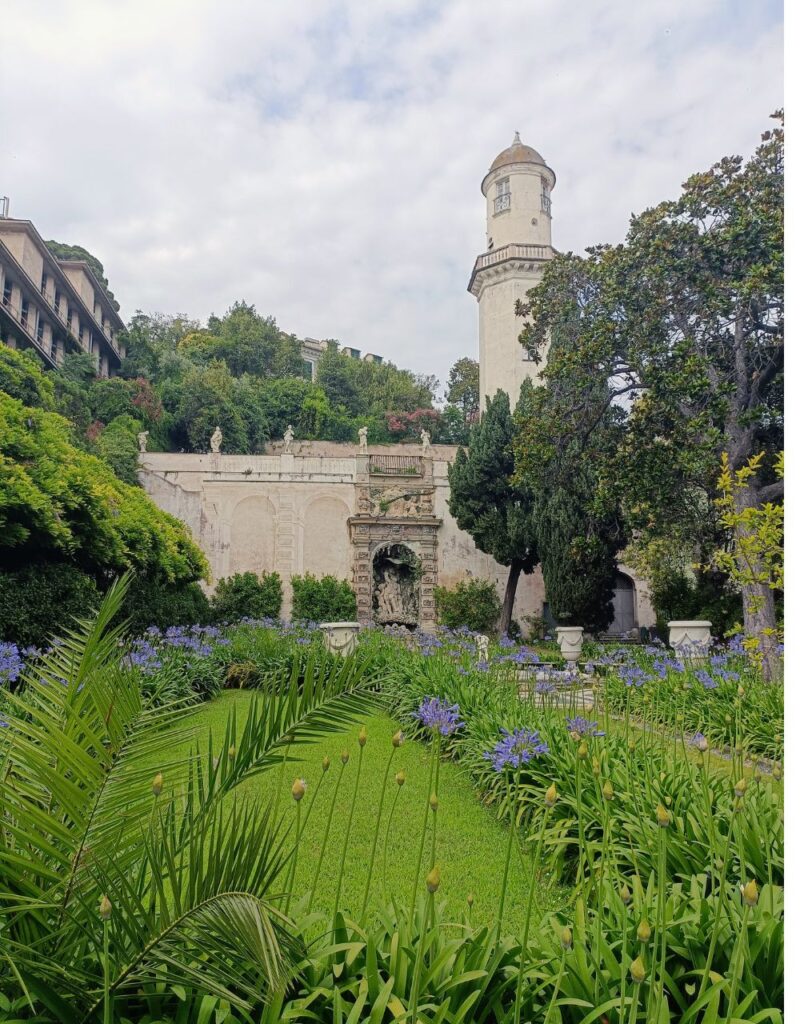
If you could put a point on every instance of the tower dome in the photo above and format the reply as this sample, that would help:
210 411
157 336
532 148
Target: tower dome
516 153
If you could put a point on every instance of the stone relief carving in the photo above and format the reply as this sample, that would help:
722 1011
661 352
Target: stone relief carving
395 501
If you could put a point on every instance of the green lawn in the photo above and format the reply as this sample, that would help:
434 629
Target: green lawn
471 843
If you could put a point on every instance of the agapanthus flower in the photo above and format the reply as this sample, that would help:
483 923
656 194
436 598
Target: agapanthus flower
545 686
583 727
699 741
11 663
439 716
708 681
515 748
632 675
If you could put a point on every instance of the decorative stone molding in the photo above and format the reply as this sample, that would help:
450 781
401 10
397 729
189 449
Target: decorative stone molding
690 636
340 637
368 534
570 641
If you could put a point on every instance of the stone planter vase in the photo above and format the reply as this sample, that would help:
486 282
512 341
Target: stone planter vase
340 637
690 637
570 640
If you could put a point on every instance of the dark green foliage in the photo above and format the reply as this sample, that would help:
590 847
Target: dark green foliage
22 376
151 602
487 504
471 603
322 600
41 601
64 251
245 595
117 445
578 558
706 596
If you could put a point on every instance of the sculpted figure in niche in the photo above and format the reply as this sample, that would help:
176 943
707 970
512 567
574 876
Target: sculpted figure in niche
362 438
288 437
390 598
142 437
216 441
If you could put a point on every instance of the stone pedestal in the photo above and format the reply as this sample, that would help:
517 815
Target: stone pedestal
690 637
340 637
570 641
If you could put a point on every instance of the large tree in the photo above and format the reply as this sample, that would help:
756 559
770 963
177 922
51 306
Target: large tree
488 505
684 322
463 388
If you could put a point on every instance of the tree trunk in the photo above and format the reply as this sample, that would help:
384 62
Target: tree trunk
514 571
758 600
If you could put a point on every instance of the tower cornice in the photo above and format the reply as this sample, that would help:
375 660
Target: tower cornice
515 257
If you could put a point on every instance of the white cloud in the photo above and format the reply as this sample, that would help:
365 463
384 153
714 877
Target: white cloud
323 160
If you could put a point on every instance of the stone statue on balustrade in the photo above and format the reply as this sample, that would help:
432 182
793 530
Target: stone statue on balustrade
142 437
362 438
216 441
288 437
425 440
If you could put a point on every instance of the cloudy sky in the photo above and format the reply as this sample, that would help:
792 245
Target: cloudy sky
323 159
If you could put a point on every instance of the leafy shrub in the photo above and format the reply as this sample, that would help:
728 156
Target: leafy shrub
244 595
322 600
152 602
704 596
117 445
471 603
41 600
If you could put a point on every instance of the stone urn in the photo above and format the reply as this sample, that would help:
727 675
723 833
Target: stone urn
570 640
340 637
690 637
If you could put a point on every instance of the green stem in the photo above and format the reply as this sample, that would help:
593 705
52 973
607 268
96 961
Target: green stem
388 834
736 970
106 977
412 1017
325 836
290 885
434 759
723 874
556 987
523 953
509 848
377 831
347 835
579 809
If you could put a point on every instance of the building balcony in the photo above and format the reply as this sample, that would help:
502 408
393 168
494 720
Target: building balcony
514 251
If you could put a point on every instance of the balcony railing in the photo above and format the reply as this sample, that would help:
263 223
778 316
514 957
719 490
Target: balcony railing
395 465
514 251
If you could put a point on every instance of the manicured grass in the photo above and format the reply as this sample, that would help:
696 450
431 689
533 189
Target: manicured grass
470 842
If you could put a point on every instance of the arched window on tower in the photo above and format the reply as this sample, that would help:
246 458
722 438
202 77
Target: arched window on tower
502 199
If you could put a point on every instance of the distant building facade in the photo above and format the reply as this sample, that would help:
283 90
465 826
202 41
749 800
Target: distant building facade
54 306
312 350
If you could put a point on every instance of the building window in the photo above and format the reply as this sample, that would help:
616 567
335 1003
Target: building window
527 356
546 199
57 301
502 198
7 286
23 316
44 283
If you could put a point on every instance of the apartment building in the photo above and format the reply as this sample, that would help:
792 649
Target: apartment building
311 350
54 306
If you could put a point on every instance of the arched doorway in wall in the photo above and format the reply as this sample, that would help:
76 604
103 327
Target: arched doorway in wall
624 605
396 573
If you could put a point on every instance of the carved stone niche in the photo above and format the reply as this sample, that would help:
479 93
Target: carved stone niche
388 589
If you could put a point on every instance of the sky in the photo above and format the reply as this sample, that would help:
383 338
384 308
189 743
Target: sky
322 160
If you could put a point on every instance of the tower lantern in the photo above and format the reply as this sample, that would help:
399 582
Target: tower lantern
518 244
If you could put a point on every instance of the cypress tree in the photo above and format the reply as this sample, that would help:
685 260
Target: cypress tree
486 503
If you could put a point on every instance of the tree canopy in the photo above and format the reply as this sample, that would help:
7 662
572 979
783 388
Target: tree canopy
683 324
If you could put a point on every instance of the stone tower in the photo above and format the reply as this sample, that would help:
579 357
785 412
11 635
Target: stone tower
518 242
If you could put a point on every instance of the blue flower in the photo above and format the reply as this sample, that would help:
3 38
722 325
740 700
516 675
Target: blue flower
515 748
708 681
583 727
439 716
545 686
11 663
